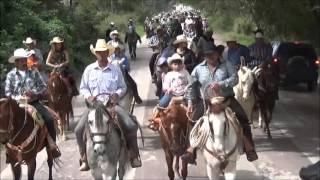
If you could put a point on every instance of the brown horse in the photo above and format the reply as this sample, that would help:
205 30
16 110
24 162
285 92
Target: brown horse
23 138
172 124
60 101
266 92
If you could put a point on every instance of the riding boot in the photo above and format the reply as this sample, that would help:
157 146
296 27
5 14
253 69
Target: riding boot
133 85
132 143
55 152
84 162
249 144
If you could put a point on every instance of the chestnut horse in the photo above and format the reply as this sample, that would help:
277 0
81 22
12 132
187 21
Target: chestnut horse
60 101
23 138
172 123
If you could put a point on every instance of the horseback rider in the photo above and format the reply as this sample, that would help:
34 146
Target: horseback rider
219 77
203 42
111 28
115 40
181 45
260 51
175 81
102 77
119 58
36 56
23 83
58 58
132 37
235 51
132 24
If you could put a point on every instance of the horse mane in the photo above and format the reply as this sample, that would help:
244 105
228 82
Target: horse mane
55 81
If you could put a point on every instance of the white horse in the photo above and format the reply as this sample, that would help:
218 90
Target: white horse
244 91
218 134
105 147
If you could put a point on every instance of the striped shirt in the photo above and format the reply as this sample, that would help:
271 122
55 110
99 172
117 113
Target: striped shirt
96 80
17 84
259 54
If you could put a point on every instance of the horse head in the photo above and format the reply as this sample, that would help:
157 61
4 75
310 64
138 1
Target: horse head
246 80
175 119
266 77
99 119
9 109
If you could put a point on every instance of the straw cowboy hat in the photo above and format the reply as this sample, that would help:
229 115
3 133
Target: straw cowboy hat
180 39
101 45
29 40
56 40
174 57
114 32
18 54
232 38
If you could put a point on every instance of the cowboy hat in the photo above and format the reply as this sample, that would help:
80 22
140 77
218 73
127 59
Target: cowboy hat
101 45
174 57
56 40
209 49
259 35
114 32
232 38
180 39
18 54
29 40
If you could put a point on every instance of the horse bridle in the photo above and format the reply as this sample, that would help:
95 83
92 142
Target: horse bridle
10 124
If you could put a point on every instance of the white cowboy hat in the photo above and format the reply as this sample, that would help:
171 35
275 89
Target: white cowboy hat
112 23
17 54
174 57
114 32
56 40
101 45
180 39
29 40
258 35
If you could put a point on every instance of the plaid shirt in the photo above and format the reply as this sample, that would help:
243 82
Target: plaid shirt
16 85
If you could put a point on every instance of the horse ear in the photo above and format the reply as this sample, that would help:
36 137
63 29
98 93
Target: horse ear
89 104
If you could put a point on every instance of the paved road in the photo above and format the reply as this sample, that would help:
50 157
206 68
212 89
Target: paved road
295 143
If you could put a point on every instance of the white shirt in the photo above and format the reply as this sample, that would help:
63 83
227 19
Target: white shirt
177 81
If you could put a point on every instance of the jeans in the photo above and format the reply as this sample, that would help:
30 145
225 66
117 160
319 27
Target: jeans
165 100
126 122
48 119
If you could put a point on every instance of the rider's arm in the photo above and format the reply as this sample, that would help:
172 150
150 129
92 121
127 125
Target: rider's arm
232 79
66 55
48 61
9 88
122 87
84 87
40 86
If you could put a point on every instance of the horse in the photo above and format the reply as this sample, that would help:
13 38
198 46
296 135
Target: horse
172 123
132 38
23 138
244 91
218 135
268 85
60 101
105 146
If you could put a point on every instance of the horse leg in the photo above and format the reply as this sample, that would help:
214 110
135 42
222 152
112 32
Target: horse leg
31 169
169 159
16 170
261 117
213 172
63 126
184 170
176 167
122 163
230 171
50 163
267 122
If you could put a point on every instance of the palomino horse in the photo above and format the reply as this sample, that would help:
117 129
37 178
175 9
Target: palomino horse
172 123
60 101
267 93
23 138
105 147
218 135
244 91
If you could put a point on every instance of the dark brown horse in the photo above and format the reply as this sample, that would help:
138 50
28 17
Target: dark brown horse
60 101
172 124
267 92
23 138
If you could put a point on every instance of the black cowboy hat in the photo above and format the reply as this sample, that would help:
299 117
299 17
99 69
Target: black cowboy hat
209 49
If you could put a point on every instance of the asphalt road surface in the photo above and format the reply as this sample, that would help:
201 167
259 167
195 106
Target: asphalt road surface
295 143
